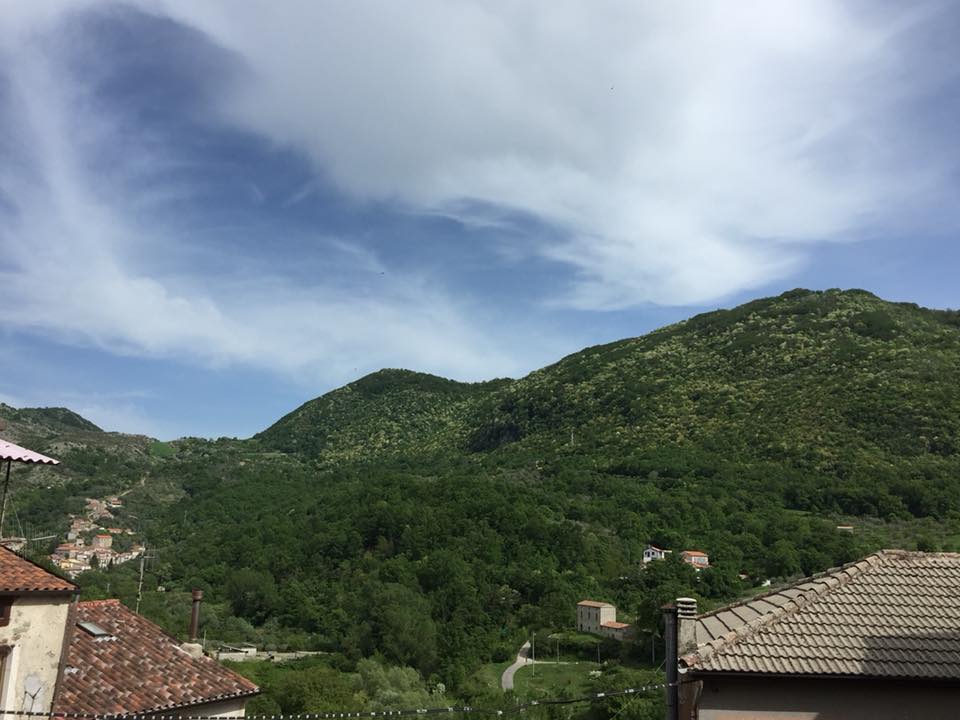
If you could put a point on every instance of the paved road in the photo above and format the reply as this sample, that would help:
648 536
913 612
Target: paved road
523 657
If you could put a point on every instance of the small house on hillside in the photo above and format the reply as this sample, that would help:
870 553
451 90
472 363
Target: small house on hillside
600 618
878 638
591 614
699 560
654 553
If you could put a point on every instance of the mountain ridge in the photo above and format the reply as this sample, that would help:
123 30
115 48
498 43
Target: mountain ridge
437 522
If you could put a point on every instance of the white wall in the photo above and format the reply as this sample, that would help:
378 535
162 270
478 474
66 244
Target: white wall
35 636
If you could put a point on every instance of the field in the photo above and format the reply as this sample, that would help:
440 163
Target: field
554 680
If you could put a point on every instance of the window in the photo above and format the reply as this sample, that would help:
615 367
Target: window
5 604
93 629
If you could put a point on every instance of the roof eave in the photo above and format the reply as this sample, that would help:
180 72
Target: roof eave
742 674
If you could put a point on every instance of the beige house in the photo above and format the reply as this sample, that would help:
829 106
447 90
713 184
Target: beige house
600 618
35 608
698 559
592 614
64 656
616 630
878 638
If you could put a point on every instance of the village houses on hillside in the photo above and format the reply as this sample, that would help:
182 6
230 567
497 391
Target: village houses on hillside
699 560
77 555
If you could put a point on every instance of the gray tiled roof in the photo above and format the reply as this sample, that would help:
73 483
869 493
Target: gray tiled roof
892 614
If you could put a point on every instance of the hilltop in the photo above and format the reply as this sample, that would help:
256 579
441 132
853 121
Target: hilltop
842 387
386 413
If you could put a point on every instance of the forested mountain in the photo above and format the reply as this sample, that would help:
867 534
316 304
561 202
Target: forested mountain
435 522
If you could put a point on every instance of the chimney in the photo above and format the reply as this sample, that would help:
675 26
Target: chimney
192 647
686 626
670 661
195 615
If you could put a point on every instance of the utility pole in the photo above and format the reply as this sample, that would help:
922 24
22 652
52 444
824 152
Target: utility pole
3 504
143 557
533 651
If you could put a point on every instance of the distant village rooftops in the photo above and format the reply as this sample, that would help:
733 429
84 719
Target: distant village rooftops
697 558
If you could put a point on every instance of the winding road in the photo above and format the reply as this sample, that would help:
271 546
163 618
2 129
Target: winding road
523 657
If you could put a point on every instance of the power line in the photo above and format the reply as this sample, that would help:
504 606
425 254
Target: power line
331 715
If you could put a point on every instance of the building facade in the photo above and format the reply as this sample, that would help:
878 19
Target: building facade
878 638
698 559
60 655
35 610
592 614
652 552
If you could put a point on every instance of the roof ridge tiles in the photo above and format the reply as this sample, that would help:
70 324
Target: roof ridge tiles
843 574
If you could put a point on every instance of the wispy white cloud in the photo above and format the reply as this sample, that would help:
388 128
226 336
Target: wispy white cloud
678 152
80 253
687 150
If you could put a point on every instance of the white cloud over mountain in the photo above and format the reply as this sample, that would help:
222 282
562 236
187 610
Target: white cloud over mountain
678 152
686 150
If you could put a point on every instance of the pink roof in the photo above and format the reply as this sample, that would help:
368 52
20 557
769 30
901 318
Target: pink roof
615 625
9 451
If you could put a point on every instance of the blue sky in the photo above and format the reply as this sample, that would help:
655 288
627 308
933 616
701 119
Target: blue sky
212 212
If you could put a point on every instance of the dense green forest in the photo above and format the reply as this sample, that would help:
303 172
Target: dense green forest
433 525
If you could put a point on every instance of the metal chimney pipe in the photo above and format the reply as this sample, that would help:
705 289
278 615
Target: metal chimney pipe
671 661
195 615
686 626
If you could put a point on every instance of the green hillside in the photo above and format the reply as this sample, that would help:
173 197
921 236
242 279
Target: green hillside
435 523
387 413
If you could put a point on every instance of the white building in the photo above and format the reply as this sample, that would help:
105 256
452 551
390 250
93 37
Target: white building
698 559
654 553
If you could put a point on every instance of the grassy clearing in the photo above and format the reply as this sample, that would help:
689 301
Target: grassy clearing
488 675
553 680
162 449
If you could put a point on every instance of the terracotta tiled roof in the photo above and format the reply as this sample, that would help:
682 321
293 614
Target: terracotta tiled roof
19 575
594 603
894 614
137 668
614 625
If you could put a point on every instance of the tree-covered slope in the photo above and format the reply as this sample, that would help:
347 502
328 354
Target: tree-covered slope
434 523
841 387
92 463
386 413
